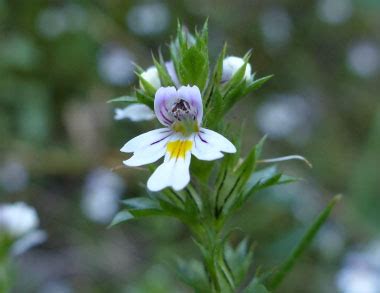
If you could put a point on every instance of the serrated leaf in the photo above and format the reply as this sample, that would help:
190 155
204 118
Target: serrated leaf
193 68
274 281
127 99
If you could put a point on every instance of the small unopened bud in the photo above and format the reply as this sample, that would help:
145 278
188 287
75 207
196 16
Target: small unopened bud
151 76
231 65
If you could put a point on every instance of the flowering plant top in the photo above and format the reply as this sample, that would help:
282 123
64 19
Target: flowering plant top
190 100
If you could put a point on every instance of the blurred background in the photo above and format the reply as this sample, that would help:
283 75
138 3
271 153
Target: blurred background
60 61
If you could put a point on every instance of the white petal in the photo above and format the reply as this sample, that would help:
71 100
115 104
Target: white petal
148 154
172 173
145 139
134 112
205 151
209 144
217 140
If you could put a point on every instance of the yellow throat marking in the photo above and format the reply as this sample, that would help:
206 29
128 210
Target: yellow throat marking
178 148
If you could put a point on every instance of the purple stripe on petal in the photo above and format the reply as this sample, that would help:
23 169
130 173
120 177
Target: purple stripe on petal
164 97
202 139
161 139
192 95
165 118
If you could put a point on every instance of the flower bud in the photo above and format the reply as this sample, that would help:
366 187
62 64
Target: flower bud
151 76
231 65
17 219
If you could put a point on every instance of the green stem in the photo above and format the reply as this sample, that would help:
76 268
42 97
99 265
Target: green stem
5 278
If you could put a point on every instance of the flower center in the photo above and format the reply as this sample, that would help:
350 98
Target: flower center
181 110
185 118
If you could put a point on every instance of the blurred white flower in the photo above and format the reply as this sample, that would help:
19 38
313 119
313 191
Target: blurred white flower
28 241
53 21
276 26
101 195
115 65
231 65
286 116
360 271
134 112
148 19
13 176
334 11
364 58
330 241
17 219
56 286
151 76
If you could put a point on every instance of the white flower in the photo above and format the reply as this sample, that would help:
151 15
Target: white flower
181 112
231 65
134 112
17 219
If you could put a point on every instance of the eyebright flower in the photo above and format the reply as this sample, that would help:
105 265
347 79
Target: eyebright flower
181 112
231 65
135 112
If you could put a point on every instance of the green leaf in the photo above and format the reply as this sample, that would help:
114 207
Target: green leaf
255 287
213 91
257 84
193 273
141 203
120 217
240 177
147 87
274 281
143 98
215 110
163 74
226 271
127 99
239 259
193 67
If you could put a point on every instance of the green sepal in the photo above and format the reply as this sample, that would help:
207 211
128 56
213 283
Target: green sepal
147 87
143 98
163 73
